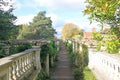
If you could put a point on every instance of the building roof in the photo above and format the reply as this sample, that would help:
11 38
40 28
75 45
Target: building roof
87 34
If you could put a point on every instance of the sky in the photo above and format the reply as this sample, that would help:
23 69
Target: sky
60 11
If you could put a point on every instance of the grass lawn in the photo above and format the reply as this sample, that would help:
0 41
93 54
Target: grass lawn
88 75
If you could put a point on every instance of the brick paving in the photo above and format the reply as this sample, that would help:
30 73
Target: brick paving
62 70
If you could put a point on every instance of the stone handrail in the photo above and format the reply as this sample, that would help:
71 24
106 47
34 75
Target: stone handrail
20 66
106 64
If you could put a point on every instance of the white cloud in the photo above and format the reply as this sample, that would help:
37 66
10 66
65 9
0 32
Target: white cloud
48 3
24 19
17 4
61 4
57 21
54 18
84 25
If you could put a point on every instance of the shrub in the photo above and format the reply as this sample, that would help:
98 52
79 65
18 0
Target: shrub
113 46
42 75
19 48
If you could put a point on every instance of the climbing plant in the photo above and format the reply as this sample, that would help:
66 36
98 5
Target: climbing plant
79 60
48 49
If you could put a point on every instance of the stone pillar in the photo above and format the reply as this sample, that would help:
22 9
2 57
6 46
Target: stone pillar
37 57
80 47
47 64
73 46
58 44
52 61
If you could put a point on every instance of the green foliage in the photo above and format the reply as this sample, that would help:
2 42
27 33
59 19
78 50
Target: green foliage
79 60
40 27
85 54
19 48
51 49
23 31
88 75
104 11
98 48
97 36
6 24
43 53
69 47
42 75
6 21
14 49
14 32
113 46
78 66
115 31
2 50
78 74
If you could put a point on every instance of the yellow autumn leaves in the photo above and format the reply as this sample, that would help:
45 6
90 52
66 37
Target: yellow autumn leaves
69 30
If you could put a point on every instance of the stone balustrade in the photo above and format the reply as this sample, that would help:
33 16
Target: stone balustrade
21 66
106 64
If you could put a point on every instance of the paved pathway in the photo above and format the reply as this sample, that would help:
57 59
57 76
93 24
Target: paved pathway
63 70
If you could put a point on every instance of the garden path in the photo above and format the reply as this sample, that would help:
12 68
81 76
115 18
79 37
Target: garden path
62 70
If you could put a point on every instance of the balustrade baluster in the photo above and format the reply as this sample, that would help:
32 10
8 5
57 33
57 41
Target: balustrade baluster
23 64
34 61
30 60
119 71
17 68
108 65
10 73
27 62
14 71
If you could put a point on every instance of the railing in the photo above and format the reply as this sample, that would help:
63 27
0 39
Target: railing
107 64
20 66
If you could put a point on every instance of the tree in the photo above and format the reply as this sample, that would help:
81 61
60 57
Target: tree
105 12
40 27
14 32
97 36
23 31
6 20
69 30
